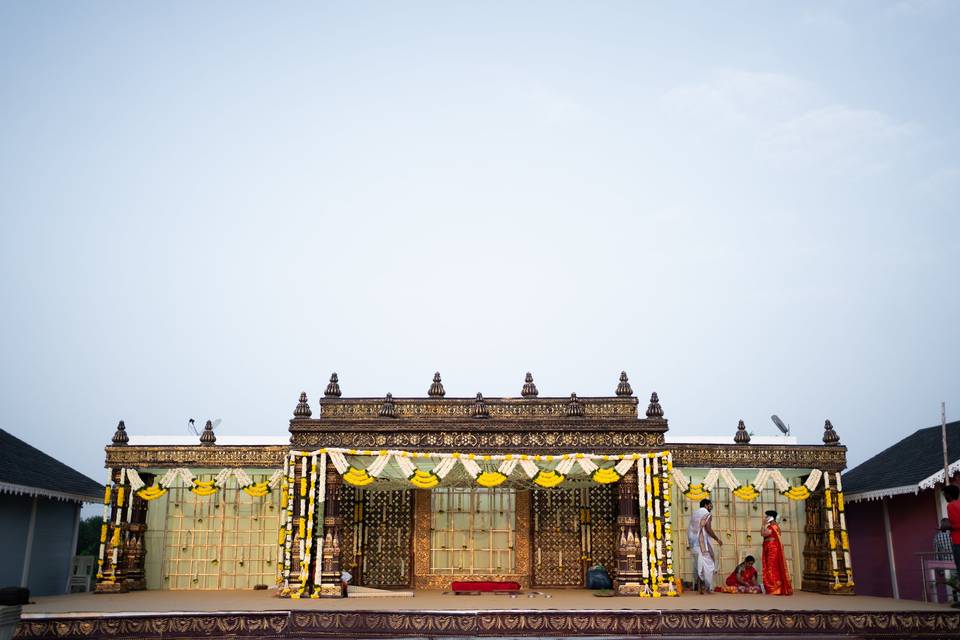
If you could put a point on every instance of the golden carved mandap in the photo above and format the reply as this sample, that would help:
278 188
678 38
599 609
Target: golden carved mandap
418 493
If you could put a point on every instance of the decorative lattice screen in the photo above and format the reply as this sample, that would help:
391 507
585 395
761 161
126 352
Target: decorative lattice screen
603 529
387 526
557 535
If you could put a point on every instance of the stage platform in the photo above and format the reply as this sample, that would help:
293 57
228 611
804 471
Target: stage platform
431 614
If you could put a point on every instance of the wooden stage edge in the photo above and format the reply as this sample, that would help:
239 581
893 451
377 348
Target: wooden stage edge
435 617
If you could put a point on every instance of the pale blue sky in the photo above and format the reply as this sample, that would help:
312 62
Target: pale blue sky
207 208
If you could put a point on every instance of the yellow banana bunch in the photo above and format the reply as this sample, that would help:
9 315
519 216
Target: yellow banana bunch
490 479
606 476
548 479
424 479
746 492
204 487
358 477
151 493
797 493
257 489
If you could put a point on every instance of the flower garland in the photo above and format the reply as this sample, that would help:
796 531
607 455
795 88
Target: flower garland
844 542
184 477
321 497
667 471
282 529
828 501
104 527
306 535
641 538
425 479
557 470
648 543
301 517
290 465
749 491
485 478
118 515
654 531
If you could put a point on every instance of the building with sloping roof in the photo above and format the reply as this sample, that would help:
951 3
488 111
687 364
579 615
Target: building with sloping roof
40 502
894 506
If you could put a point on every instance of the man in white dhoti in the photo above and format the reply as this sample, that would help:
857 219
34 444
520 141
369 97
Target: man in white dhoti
699 533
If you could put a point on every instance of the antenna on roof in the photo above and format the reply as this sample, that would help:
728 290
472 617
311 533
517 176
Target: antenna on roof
192 426
943 433
784 429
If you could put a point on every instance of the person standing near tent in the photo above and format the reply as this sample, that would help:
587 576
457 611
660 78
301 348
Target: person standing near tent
699 532
776 578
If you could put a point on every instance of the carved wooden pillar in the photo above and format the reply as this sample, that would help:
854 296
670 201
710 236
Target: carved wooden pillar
817 562
330 584
111 577
134 537
628 575
816 551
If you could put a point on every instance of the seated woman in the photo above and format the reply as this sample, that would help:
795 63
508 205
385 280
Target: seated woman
743 579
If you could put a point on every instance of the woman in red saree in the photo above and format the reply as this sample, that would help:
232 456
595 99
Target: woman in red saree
776 578
743 579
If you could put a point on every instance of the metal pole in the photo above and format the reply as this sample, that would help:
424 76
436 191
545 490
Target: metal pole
943 430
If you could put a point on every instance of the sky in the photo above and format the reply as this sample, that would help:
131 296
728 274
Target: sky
205 209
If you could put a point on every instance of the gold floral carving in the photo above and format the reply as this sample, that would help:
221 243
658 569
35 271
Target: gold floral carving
317 623
253 456
460 408
759 456
481 441
570 440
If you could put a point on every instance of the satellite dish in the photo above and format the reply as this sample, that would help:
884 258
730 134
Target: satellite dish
192 425
783 428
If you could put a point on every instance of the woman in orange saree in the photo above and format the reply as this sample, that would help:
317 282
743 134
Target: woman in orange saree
776 578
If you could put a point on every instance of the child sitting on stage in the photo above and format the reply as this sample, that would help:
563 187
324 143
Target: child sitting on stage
743 579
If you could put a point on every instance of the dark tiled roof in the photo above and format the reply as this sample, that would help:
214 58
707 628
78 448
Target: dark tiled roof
914 458
28 466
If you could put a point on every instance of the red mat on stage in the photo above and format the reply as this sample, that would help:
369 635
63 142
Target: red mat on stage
484 586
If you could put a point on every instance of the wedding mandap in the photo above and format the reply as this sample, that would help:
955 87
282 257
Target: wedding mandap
422 493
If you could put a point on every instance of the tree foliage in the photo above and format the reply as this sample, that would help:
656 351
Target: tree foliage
88 537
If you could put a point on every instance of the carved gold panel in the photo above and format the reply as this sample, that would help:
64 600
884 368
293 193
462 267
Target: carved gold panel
259 456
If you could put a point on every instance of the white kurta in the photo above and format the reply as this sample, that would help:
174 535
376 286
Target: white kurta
702 546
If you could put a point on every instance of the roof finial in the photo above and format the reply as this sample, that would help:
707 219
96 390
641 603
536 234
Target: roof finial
333 389
208 437
480 407
654 410
388 409
623 389
574 407
741 437
120 437
436 389
529 389
303 408
829 435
